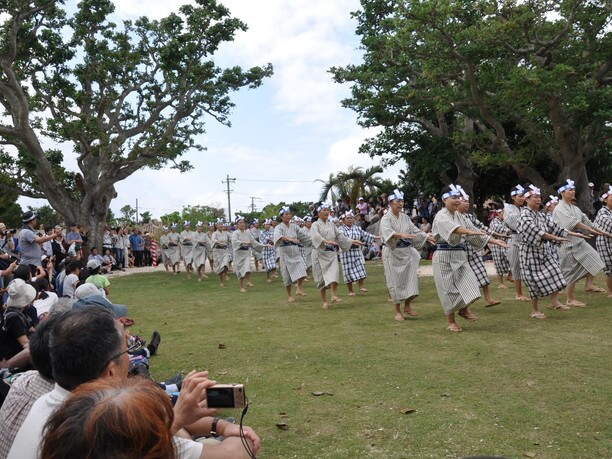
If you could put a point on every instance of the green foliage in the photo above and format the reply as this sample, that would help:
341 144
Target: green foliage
173 217
145 217
503 84
47 215
128 214
351 184
195 214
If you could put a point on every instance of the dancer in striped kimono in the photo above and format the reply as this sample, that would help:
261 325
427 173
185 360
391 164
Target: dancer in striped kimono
256 233
353 263
456 283
604 244
221 250
187 248
578 258
326 239
306 251
268 254
474 259
541 273
288 237
163 242
500 255
553 246
243 243
512 216
400 255
201 246
174 249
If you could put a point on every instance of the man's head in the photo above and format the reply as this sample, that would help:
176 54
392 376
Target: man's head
39 346
86 344
29 219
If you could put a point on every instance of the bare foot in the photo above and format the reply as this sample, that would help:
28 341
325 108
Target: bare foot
221 284
491 302
204 276
408 310
300 293
467 314
537 315
454 328
291 299
576 304
325 306
250 285
559 306
351 294
243 290
594 289
521 298
269 281
502 286
399 317
363 290
336 299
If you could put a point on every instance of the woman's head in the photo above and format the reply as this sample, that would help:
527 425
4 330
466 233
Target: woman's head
107 419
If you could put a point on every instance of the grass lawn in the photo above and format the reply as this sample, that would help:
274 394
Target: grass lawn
507 386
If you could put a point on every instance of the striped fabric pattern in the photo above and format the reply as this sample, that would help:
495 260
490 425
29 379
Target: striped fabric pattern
268 254
578 258
325 263
292 265
603 243
201 245
221 258
500 254
541 273
353 263
187 247
511 220
242 258
174 251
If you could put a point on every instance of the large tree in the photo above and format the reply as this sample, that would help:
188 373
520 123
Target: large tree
520 84
122 97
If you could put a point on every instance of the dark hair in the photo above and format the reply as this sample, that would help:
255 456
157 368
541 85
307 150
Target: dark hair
22 272
39 346
105 419
445 189
73 266
92 249
82 343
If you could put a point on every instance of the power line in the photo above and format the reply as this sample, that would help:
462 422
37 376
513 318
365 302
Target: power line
276 181
228 181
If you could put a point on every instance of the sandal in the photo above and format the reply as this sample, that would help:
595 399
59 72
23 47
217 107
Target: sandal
454 328
469 315
363 290
492 303
594 289
537 315
560 307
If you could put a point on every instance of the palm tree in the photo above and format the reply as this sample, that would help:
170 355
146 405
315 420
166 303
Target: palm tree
353 183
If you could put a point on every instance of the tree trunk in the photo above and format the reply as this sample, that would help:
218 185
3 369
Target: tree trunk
575 169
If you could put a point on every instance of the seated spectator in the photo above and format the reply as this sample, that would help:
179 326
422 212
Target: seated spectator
88 344
110 262
88 294
27 387
14 324
94 255
95 277
46 299
71 280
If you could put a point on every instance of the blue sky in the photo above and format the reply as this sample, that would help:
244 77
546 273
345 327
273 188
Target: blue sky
292 129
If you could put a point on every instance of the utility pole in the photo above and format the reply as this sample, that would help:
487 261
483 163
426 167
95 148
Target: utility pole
253 198
229 181
137 211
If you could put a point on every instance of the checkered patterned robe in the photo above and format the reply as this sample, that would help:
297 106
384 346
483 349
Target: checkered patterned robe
474 258
500 254
553 246
202 245
456 283
187 247
242 257
353 263
221 250
512 215
163 242
325 263
401 263
174 250
541 273
292 264
578 258
268 253
603 243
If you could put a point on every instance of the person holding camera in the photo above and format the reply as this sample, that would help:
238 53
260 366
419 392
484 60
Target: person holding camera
30 241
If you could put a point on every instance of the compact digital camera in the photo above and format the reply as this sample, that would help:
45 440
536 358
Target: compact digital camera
226 396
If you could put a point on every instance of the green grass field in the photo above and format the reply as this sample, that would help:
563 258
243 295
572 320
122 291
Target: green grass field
507 386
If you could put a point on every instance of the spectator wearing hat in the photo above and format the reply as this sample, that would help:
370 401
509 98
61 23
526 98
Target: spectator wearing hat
30 241
14 324
95 277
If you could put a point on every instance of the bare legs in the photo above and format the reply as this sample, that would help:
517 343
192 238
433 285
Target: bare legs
334 297
571 299
488 298
518 289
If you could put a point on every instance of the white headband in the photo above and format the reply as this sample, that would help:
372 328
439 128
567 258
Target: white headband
606 194
283 210
397 194
321 207
454 191
553 199
517 190
532 190
568 186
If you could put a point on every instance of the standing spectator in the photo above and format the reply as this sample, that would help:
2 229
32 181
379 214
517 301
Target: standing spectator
126 246
107 239
148 257
362 207
74 237
136 244
29 240
57 247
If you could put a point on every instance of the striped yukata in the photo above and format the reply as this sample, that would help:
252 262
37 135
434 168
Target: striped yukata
512 216
353 263
256 233
242 253
202 245
553 246
401 257
500 254
163 242
221 250
541 273
324 258
306 251
174 250
187 247
578 258
268 254
474 258
292 266
603 243
456 283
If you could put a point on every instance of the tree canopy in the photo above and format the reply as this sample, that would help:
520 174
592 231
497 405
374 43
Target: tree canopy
123 97
519 85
